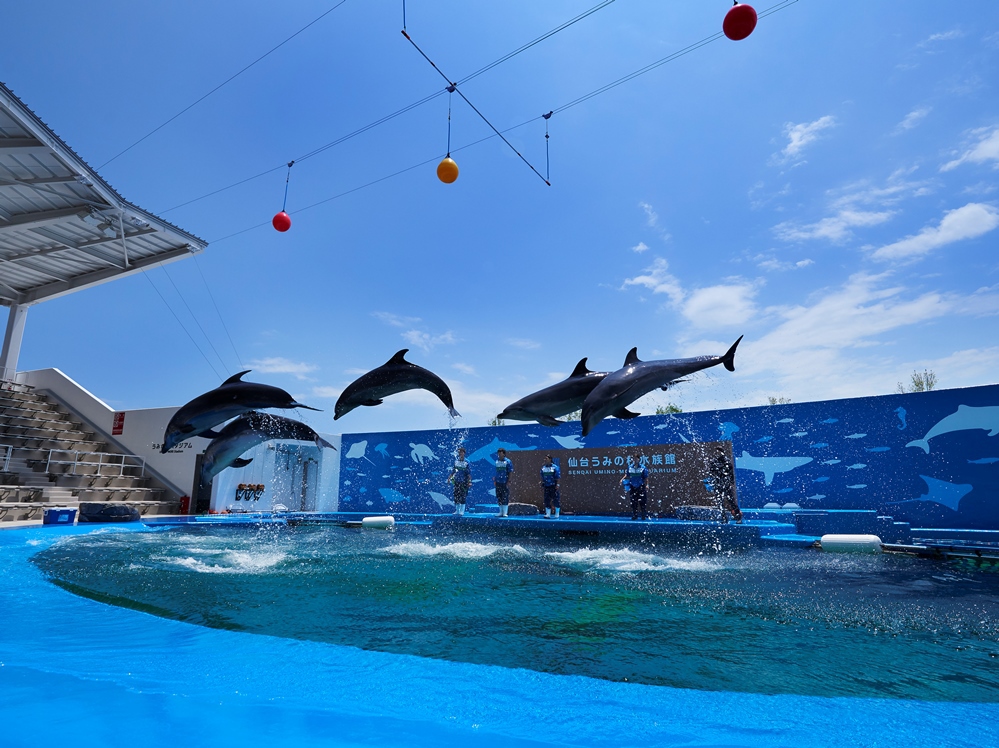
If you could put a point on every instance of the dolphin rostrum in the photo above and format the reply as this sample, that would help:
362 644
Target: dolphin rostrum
966 418
248 431
567 396
230 399
394 376
624 386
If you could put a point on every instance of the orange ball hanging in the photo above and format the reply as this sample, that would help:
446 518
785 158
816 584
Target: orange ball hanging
447 170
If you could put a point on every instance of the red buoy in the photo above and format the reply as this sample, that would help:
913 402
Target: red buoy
739 21
282 221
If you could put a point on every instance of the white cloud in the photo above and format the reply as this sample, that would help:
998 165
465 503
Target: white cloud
913 118
772 264
720 306
464 368
834 228
395 320
945 36
651 217
526 343
426 341
657 279
278 365
330 392
986 149
640 247
968 222
803 134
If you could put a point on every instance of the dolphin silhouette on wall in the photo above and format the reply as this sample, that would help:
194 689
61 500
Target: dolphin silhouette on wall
394 376
230 399
967 417
248 431
770 466
623 387
562 398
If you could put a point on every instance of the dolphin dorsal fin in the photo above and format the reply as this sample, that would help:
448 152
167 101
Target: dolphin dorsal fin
399 358
580 370
236 378
632 357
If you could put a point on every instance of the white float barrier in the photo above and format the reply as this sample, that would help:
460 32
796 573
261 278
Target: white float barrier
378 523
851 543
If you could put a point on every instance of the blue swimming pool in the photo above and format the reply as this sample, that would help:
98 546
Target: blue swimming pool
263 664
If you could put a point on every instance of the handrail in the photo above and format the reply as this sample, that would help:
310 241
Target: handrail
100 464
6 458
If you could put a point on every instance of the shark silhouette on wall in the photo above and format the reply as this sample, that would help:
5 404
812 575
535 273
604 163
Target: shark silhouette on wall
770 466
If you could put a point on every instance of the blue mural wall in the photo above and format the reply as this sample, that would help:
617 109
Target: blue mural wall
930 458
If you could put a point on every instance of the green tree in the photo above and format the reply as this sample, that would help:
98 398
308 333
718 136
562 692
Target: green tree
920 382
495 422
667 409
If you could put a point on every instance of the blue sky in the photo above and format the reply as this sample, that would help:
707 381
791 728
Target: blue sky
826 188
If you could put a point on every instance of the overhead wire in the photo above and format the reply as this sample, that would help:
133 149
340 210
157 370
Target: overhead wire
183 327
399 112
195 317
219 313
575 102
221 85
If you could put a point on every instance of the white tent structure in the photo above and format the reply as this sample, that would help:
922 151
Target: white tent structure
62 227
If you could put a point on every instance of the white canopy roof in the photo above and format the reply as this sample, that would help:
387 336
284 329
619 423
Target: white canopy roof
62 227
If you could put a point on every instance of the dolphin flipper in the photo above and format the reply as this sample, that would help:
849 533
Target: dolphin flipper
546 420
625 414
372 402
209 434
240 462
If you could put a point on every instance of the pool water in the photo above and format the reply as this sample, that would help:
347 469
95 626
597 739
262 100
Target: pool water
763 622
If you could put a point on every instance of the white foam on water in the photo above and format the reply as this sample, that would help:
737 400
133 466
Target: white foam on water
456 550
624 560
34 542
234 562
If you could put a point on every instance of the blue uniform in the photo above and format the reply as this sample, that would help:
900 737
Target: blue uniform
549 479
638 476
502 481
461 477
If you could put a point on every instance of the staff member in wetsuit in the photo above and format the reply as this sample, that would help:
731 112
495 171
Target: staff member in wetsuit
723 478
461 480
501 481
638 482
550 474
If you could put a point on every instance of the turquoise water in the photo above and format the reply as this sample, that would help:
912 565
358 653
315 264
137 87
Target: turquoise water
797 623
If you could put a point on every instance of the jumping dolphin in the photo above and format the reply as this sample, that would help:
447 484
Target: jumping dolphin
567 396
248 431
966 418
620 389
394 376
230 399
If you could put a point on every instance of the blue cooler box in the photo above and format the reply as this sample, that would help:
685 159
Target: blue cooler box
59 517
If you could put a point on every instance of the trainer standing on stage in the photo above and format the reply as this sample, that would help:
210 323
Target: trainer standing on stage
461 480
638 480
501 481
723 478
549 482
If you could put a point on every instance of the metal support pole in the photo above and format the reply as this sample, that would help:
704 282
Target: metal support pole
12 341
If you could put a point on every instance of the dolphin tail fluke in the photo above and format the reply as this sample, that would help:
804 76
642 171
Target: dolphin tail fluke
240 462
322 443
453 413
305 407
729 358
921 443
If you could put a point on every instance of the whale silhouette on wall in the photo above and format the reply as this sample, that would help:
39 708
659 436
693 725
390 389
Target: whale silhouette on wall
770 466
965 418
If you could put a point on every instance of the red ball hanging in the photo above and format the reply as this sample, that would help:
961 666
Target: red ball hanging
739 21
282 221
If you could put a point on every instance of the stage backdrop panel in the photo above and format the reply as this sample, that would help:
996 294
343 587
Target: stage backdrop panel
928 458
591 478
